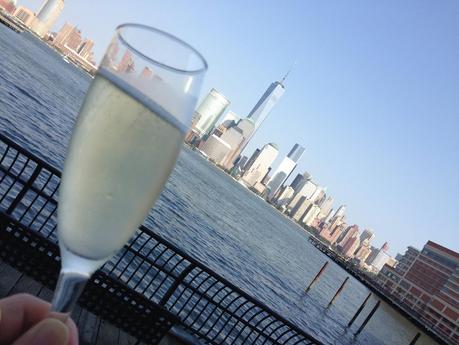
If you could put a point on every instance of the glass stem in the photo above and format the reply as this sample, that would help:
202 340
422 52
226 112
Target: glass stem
69 288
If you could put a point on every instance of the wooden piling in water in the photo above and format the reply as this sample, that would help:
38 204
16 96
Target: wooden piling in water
338 291
415 339
359 310
364 323
317 276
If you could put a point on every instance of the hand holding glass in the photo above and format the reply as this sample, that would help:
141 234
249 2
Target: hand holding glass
125 144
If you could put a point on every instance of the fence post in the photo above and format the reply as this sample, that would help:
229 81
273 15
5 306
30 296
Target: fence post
338 291
368 318
175 285
24 190
359 310
415 339
317 276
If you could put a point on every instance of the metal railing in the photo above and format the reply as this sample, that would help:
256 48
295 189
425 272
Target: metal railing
207 305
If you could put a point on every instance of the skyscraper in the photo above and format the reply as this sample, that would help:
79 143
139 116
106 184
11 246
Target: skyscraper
259 113
260 165
300 180
308 190
284 170
340 211
266 103
310 214
208 112
47 16
296 152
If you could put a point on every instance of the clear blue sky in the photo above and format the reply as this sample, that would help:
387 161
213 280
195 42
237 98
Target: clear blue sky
374 95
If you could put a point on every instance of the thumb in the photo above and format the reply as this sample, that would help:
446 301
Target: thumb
46 332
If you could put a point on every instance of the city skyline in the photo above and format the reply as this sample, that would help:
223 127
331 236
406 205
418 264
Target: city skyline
361 142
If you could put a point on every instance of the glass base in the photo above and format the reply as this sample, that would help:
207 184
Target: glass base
75 272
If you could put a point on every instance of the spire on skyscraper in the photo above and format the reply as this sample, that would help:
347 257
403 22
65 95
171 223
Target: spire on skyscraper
288 72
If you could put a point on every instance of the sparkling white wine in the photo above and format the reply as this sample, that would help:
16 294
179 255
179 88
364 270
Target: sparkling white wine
122 151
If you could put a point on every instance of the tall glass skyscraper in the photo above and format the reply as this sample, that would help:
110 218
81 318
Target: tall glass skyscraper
266 103
296 152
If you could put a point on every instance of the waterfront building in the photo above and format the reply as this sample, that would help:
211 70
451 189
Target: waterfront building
336 231
208 112
380 260
351 232
232 133
260 164
283 197
239 167
285 169
247 126
8 6
378 257
362 253
69 41
373 252
427 283
215 148
331 233
350 247
47 16
307 190
299 209
25 15
310 214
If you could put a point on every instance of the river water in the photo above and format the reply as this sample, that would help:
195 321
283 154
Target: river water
201 210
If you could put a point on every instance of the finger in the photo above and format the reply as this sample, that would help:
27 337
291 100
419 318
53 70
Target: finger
19 313
73 332
49 332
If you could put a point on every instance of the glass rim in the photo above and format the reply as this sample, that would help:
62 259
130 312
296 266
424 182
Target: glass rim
119 34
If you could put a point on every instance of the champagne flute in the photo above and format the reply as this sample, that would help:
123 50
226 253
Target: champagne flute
124 145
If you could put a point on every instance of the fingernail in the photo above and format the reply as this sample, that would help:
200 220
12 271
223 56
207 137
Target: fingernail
62 317
51 332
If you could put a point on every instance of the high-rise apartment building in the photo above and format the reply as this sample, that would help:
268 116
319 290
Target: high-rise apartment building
426 282
284 170
47 16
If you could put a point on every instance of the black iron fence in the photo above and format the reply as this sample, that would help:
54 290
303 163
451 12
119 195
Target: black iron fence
206 304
